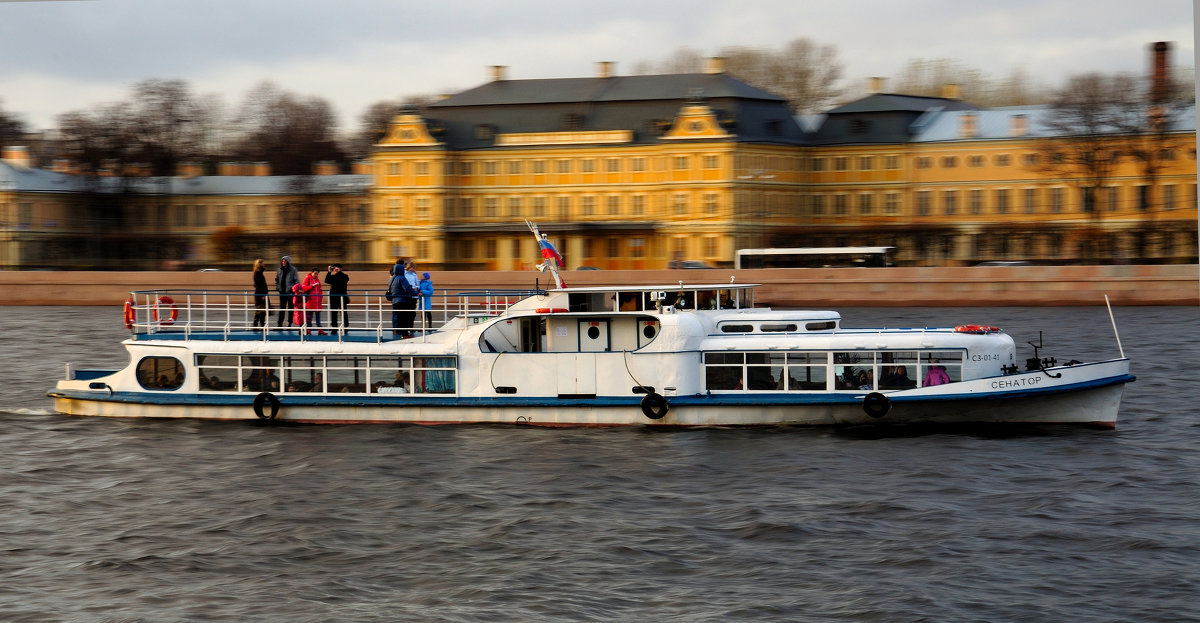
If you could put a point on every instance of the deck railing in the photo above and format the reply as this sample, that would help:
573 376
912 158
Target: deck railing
239 314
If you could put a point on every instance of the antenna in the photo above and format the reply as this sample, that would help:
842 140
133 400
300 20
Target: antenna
1114 326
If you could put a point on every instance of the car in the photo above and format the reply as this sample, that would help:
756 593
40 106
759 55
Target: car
587 268
688 264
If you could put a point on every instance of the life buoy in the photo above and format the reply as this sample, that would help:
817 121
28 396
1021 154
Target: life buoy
551 310
166 302
876 405
130 314
655 406
266 398
975 328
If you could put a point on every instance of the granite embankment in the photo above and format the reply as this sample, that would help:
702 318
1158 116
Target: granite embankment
826 288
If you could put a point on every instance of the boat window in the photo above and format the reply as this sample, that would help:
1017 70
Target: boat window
304 380
940 367
683 300
587 301
723 371
333 374
706 299
160 373
725 299
629 301
820 326
767 327
854 370
765 371
224 361
260 380
737 328
807 371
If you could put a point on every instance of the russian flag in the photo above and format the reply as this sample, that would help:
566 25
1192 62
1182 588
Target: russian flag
548 251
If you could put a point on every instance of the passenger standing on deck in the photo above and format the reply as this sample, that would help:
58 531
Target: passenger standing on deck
338 296
404 303
425 288
286 277
260 294
312 298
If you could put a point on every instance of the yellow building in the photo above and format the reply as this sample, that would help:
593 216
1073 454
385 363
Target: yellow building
619 171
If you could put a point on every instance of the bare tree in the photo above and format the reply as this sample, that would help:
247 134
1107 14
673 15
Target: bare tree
12 128
286 130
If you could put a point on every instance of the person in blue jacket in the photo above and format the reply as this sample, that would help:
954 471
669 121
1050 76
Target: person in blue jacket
425 287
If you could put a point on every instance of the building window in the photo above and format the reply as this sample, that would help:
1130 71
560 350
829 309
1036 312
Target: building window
864 204
393 209
839 205
422 249
564 206
818 205
466 207
976 199
393 168
679 201
589 205
1030 160
637 247
1002 201
514 206
1169 197
614 204
923 203
892 203
614 248
613 165
1031 200
817 164
539 206
841 163
891 162
710 162
422 168
539 166
975 161
949 162
514 167
564 166
589 165
639 205
489 248
491 207
639 164
950 202
1112 198
1056 200
710 203
681 163
422 208
866 163
491 167
924 162
1001 160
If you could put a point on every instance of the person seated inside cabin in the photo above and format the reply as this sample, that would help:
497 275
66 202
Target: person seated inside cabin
627 301
935 375
215 383
685 300
895 378
866 379
706 299
401 384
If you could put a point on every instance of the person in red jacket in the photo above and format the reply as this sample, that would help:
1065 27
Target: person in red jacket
313 299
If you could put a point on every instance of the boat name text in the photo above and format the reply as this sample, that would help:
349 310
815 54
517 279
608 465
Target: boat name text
1016 383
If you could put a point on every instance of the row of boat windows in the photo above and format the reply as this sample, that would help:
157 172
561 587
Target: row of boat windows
305 374
849 370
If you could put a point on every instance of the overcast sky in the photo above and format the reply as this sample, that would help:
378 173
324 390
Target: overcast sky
60 56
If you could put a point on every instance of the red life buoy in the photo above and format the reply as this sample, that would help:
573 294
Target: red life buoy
975 328
165 301
551 310
130 315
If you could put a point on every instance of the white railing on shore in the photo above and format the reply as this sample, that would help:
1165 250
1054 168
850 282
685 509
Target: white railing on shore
242 314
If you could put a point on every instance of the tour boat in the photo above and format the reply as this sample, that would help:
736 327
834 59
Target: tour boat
669 355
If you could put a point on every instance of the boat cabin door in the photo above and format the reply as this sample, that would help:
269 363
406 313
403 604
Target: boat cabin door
593 336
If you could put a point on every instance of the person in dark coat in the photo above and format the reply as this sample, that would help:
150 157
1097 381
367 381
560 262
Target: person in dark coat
337 281
260 294
286 278
404 304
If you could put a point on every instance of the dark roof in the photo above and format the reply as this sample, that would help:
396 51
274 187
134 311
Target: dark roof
636 103
894 102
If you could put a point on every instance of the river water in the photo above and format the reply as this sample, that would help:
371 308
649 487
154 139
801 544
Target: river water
130 521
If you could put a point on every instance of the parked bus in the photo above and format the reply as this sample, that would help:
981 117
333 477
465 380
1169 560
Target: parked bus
815 257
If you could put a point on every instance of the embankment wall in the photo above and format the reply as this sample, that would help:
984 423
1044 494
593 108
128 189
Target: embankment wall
814 287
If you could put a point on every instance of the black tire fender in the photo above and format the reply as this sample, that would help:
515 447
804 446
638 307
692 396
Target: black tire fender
266 399
654 406
876 405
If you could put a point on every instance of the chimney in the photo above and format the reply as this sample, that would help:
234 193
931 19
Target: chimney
1160 78
950 91
1018 125
499 72
325 167
604 69
188 170
17 156
715 65
875 85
